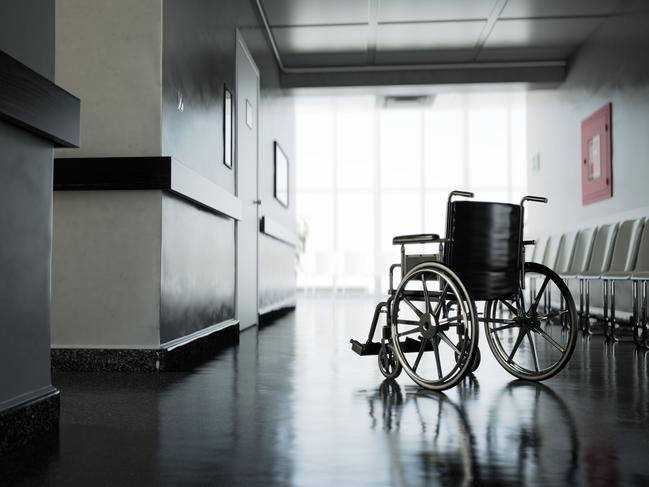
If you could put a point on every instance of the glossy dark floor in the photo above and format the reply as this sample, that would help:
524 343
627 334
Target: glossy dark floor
292 405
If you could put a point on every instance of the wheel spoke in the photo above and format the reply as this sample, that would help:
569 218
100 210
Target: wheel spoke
437 361
413 307
448 341
442 300
426 297
552 314
500 320
504 327
408 322
420 354
530 338
510 307
519 339
552 341
539 294
409 332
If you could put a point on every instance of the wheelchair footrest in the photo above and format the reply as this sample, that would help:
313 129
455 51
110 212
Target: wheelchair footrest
369 348
372 348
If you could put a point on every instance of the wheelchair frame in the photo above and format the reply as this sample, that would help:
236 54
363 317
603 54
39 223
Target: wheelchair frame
504 313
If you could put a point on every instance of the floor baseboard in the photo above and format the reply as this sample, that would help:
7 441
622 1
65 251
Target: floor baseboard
181 356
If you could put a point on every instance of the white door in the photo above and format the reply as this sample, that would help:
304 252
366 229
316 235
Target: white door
247 96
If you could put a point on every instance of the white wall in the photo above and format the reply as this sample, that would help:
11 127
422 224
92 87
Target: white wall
611 67
109 54
106 269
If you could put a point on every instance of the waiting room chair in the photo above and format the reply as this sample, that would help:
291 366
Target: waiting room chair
599 263
625 253
639 278
579 262
538 250
559 259
550 252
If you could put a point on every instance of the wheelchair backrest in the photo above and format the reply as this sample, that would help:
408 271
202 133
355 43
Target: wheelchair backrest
485 247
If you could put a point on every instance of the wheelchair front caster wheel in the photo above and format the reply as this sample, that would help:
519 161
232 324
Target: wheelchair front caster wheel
388 363
475 363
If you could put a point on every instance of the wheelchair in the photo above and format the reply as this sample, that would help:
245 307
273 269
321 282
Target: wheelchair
431 326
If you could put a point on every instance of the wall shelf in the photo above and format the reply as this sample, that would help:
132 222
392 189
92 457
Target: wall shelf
32 102
133 173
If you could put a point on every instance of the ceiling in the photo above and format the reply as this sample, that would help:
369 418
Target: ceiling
380 33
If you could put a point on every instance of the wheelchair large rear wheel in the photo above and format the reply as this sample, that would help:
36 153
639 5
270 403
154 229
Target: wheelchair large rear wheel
531 340
434 326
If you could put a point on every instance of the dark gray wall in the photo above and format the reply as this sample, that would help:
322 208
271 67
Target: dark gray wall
198 60
610 67
27 33
25 256
197 275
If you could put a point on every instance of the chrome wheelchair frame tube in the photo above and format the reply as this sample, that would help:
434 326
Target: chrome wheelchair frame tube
521 225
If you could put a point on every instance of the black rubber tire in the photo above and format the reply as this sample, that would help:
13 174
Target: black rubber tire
571 312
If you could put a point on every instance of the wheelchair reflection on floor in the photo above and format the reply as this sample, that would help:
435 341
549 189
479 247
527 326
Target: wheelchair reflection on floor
431 326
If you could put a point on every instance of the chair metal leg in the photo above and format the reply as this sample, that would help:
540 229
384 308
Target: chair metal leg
607 330
612 321
580 318
645 334
607 334
587 310
635 315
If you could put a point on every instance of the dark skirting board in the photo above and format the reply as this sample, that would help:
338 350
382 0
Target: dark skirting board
25 422
181 355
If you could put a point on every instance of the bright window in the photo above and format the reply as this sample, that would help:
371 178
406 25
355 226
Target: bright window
366 172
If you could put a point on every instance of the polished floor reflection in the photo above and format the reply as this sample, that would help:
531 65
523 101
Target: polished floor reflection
293 405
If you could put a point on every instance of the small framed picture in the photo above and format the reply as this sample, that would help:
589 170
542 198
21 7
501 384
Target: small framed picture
228 152
596 162
281 175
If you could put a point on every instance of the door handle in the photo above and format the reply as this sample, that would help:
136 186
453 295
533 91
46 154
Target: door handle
256 202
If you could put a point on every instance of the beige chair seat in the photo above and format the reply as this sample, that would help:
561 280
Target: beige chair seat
580 258
616 275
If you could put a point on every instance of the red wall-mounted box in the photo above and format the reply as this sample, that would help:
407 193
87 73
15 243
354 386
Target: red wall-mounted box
596 173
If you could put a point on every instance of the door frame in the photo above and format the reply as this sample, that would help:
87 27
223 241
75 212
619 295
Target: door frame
241 43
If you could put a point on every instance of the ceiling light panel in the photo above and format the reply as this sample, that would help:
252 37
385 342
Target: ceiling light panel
419 10
315 12
320 39
430 35
541 32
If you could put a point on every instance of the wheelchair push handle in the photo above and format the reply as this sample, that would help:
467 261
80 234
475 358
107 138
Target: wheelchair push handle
535 199
465 194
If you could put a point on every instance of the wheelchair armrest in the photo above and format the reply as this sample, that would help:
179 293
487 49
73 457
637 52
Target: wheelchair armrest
418 238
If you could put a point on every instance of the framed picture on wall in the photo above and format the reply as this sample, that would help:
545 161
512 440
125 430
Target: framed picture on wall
228 153
596 164
281 175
